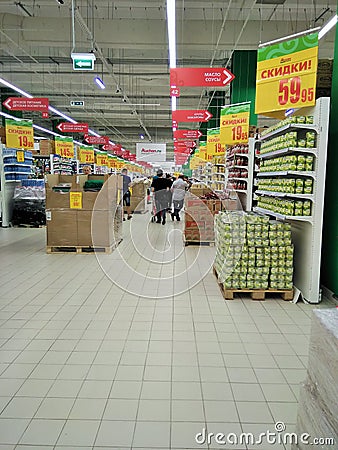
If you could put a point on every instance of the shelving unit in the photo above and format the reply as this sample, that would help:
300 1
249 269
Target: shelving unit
9 179
306 229
247 153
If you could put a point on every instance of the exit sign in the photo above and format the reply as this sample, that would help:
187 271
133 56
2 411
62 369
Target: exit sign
83 61
77 103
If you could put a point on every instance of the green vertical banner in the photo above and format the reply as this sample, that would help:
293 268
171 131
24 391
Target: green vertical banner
243 87
329 269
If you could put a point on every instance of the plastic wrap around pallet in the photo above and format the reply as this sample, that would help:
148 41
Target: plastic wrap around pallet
318 407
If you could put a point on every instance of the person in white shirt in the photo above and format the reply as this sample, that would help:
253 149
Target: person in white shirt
178 189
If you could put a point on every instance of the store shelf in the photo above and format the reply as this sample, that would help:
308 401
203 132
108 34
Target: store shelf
18 164
237 167
284 194
282 216
284 151
288 172
219 173
243 191
289 127
237 154
237 178
221 165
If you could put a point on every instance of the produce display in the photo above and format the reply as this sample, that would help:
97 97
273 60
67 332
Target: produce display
308 120
293 139
288 163
286 185
253 252
285 207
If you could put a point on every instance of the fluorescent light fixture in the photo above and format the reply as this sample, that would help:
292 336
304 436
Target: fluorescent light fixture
8 116
171 24
141 136
45 130
173 103
93 133
290 36
10 85
328 26
59 113
100 83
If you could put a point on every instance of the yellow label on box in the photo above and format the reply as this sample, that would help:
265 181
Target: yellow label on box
20 156
75 200
286 75
19 134
86 156
64 147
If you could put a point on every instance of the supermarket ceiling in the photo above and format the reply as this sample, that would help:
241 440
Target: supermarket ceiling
131 35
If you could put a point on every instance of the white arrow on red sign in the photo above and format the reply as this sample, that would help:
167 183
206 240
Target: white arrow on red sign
96 140
198 115
187 134
68 127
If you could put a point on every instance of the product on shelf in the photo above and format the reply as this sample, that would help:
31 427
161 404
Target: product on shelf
286 185
253 252
292 139
292 163
237 149
285 207
308 120
15 170
29 203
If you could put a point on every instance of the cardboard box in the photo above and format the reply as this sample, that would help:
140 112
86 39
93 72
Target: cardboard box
95 228
61 227
46 147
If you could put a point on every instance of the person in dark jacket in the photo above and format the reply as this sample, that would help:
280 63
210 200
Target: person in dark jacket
161 188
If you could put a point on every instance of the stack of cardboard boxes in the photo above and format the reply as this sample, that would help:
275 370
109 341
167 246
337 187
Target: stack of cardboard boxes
3 135
199 215
78 218
138 200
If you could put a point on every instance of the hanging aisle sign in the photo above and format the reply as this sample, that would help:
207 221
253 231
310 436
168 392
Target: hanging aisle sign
64 147
86 155
200 76
286 74
19 134
214 146
234 124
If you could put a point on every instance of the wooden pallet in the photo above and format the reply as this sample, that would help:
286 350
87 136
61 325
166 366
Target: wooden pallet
256 294
202 243
81 249
27 225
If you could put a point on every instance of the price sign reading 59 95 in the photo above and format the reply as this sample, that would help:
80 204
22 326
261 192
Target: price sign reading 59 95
291 91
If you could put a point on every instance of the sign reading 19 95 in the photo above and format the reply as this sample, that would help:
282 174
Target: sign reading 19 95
19 134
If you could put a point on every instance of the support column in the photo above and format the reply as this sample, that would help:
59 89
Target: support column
329 269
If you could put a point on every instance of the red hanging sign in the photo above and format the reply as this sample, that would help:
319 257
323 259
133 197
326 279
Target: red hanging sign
26 104
189 144
204 76
187 134
193 115
174 92
68 127
96 140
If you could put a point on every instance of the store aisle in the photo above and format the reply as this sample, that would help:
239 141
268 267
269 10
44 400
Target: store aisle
86 364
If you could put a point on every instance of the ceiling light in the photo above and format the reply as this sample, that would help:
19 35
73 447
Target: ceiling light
171 24
141 136
20 91
100 83
327 27
59 113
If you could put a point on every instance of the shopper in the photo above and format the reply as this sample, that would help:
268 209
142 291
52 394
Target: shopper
161 188
178 190
86 170
170 195
126 194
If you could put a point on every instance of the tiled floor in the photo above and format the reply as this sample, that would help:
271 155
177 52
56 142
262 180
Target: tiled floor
86 365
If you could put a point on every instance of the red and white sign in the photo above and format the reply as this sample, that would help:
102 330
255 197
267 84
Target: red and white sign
174 91
96 140
182 150
27 104
181 159
187 134
151 152
204 76
189 144
193 115
115 148
68 127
